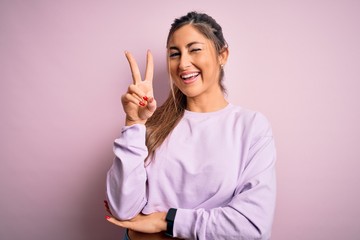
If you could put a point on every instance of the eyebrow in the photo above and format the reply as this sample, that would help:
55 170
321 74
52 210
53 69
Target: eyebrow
187 45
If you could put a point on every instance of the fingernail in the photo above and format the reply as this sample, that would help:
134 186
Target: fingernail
107 217
145 98
142 104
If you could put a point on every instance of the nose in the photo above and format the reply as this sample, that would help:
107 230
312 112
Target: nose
185 61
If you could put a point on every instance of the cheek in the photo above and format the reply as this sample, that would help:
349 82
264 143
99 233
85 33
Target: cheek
202 61
209 65
173 68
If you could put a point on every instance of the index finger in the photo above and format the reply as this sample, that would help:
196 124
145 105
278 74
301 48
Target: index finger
135 72
149 72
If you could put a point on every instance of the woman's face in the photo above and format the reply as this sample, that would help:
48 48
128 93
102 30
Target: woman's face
194 64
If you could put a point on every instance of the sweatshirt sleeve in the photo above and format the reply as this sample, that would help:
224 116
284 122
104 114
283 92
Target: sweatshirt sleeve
249 214
126 178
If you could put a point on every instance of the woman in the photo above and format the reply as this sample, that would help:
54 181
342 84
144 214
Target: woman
197 167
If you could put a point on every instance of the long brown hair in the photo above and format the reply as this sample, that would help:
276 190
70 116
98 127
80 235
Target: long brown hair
165 118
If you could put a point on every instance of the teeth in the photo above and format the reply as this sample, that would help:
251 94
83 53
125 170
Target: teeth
189 75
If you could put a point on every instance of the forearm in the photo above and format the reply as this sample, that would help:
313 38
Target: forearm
219 223
126 195
126 179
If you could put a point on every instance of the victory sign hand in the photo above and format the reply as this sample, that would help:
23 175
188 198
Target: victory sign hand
138 102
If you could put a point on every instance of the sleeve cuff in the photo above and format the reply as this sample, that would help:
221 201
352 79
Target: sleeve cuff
184 224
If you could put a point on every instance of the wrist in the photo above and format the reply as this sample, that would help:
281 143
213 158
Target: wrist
170 218
129 122
163 223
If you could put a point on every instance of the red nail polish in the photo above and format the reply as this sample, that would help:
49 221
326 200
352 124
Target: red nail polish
145 98
107 217
142 104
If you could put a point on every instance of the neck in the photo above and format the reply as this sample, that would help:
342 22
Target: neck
206 103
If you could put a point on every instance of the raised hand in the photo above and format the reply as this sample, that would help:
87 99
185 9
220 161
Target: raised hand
138 102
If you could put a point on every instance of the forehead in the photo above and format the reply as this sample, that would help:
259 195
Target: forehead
187 34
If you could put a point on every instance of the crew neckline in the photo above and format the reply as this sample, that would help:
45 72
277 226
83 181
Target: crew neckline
202 114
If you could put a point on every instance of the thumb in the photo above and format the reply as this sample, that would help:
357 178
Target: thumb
151 106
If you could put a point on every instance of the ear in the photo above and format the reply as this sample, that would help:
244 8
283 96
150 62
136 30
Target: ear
223 56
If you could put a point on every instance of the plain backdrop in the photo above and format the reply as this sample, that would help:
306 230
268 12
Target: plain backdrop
63 70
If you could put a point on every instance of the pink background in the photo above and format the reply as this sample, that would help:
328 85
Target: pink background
63 72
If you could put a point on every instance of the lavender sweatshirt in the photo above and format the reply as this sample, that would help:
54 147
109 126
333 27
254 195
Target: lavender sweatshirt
216 168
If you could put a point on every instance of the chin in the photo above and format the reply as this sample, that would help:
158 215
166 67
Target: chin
190 93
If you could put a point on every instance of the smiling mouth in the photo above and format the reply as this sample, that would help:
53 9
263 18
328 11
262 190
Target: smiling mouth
189 78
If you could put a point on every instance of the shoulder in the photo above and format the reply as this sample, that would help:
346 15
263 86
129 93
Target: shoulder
253 121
